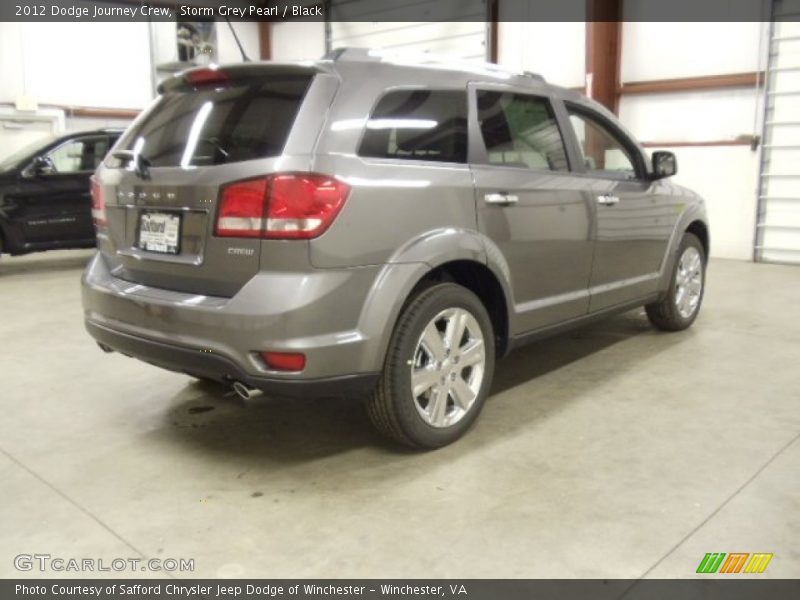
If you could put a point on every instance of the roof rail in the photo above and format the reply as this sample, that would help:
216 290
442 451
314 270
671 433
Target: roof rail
533 75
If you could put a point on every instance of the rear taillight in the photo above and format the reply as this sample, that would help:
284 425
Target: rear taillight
98 203
281 206
242 208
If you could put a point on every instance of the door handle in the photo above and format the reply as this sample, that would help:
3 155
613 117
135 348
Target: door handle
501 198
608 199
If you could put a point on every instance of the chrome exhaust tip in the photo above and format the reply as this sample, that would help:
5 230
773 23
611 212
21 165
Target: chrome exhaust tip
245 392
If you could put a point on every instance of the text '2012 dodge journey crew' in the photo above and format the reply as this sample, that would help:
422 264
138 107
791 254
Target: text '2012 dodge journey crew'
360 226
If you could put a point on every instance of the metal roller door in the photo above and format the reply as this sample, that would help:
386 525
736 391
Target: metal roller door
778 222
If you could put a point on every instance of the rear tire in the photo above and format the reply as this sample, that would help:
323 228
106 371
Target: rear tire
438 369
679 308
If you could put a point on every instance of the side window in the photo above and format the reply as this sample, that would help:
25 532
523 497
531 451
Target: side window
68 158
79 155
418 125
101 146
603 152
521 131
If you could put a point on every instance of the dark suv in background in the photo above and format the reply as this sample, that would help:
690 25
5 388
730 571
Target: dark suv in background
355 225
44 192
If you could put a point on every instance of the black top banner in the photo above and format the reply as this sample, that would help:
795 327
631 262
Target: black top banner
400 10
713 588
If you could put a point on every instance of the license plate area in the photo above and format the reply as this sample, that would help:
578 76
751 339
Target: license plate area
159 232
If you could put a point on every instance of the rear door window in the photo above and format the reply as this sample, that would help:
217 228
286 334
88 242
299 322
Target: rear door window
234 123
520 131
428 125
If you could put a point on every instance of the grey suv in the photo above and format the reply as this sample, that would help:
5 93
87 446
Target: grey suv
360 226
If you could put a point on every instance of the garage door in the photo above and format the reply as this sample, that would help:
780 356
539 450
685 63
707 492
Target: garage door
459 28
778 228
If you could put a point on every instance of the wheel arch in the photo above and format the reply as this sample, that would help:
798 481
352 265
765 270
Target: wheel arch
457 255
481 281
700 229
693 220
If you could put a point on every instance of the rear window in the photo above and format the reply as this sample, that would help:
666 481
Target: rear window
219 126
418 125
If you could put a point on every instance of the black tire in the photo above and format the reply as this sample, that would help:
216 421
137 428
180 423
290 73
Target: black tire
664 314
392 407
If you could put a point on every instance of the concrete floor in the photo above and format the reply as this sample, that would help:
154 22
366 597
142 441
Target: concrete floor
615 451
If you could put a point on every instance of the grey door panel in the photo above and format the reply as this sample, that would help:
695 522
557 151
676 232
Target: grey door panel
631 240
545 237
633 223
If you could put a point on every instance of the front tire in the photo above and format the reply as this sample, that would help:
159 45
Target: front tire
680 306
438 369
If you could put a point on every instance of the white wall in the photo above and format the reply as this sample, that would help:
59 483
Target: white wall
691 116
726 176
228 51
87 65
16 132
676 50
79 64
297 40
556 51
464 40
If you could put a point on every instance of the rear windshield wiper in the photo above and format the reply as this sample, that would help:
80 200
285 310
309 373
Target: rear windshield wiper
141 166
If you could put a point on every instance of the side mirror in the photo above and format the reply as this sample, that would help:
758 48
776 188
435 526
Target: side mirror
40 165
664 165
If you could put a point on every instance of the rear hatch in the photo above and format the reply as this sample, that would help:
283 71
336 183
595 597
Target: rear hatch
161 185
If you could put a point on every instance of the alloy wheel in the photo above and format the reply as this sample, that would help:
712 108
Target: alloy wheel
448 367
688 282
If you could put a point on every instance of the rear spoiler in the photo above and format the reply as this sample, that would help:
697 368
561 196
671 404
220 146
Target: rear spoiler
232 74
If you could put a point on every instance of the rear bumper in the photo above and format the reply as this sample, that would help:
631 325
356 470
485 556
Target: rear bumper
320 313
199 363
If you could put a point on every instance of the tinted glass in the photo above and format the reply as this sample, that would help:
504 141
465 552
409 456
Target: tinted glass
521 131
418 125
603 152
218 126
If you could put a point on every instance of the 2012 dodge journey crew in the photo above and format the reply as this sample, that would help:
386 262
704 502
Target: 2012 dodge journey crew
361 226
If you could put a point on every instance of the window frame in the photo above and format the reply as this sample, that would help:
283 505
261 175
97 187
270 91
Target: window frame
78 138
624 140
413 161
479 154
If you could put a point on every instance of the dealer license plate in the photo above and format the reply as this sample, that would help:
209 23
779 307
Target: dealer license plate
160 232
